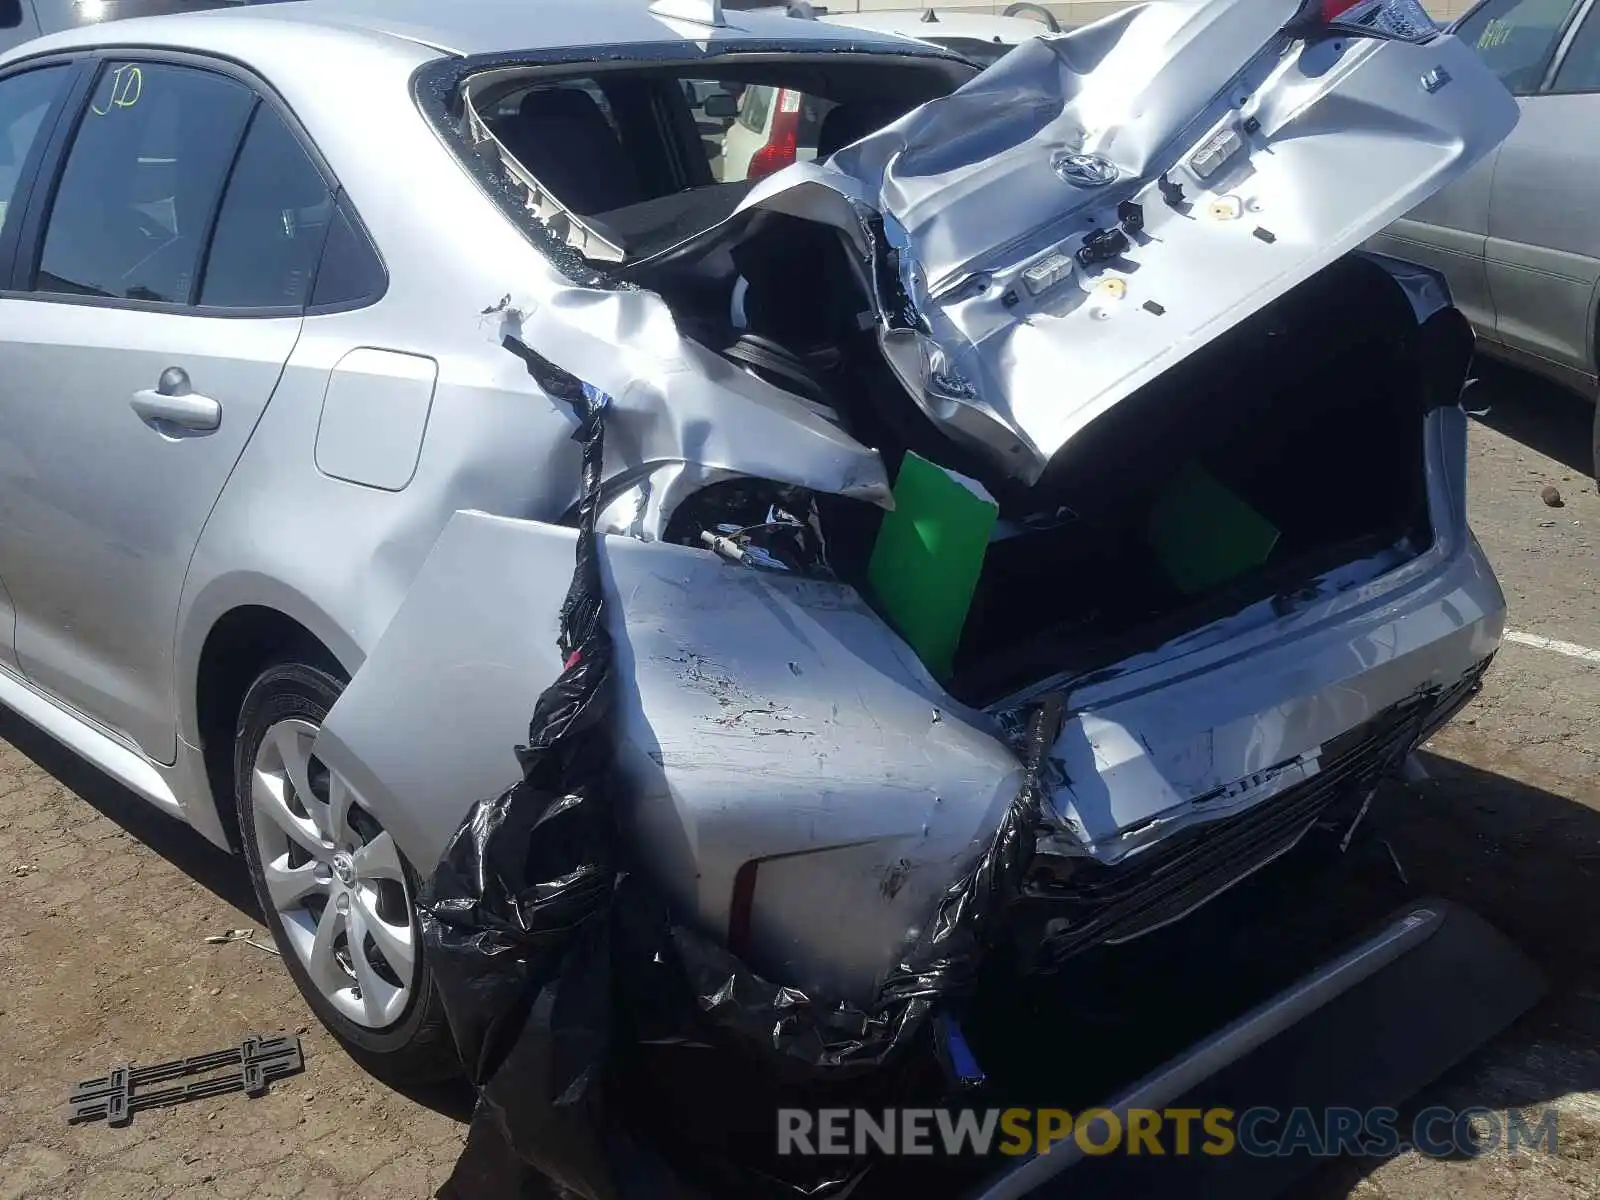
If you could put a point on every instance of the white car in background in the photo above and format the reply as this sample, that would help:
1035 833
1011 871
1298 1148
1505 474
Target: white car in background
776 126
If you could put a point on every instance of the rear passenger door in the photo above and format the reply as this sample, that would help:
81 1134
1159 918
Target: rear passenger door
163 269
29 102
1543 249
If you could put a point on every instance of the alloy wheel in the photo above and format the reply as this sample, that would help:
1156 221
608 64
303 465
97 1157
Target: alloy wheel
334 876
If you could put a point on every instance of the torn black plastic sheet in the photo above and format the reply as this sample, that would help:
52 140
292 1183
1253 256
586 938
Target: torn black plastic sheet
514 916
555 963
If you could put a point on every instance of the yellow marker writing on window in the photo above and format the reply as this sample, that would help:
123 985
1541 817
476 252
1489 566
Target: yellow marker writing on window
127 85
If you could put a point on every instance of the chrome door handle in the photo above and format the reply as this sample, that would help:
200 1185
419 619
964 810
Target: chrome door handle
173 405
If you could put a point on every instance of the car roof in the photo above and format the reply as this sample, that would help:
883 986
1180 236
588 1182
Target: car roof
462 27
1011 31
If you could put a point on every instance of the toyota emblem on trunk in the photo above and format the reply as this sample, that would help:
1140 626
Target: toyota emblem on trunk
1084 170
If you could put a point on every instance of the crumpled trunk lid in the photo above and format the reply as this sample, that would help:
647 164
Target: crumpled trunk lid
1096 206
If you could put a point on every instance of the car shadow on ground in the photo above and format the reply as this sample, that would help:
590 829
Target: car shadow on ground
1541 415
1525 859
1528 861
216 870
221 873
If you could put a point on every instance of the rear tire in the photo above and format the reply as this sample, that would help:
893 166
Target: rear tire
1596 449
337 895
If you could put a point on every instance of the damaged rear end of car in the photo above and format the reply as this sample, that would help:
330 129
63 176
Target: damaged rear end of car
1027 517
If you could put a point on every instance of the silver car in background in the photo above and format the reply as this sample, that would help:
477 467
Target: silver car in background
24 19
1518 236
287 478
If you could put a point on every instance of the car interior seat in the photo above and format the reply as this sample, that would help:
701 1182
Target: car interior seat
792 280
849 123
561 135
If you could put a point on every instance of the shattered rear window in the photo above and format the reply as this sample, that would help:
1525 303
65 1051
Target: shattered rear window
624 162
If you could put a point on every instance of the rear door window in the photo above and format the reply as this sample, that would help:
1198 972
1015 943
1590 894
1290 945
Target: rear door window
25 101
273 223
350 272
141 183
1516 38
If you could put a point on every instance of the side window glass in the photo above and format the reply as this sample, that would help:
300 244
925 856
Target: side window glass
141 183
350 272
1580 69
274 219
1515 38
25 100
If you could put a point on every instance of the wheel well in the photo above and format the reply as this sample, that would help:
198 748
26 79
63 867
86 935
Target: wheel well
244 643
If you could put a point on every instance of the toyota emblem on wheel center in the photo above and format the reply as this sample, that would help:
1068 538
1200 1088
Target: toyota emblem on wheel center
1084 170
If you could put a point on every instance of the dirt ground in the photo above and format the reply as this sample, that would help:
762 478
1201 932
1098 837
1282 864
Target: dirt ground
105 906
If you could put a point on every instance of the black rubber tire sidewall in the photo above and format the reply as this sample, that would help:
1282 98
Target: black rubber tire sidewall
417 1047
1595 464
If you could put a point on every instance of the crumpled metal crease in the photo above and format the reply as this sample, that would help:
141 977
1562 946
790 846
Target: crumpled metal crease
977 249
680 416
547 951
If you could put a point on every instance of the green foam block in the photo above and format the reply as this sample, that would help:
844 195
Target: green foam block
928 557
1204 535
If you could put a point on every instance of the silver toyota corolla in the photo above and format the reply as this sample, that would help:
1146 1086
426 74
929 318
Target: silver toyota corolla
1055 379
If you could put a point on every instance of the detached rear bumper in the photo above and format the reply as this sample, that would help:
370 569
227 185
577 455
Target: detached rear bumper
1079 903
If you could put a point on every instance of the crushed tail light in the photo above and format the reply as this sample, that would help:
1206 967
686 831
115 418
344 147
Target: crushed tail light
783 143
1397 20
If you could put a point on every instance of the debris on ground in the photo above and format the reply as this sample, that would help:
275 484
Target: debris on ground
247 936
247 1067
1551 496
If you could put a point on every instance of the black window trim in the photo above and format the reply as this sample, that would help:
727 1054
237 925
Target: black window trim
19 260
40 154
1558 47
1584 12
